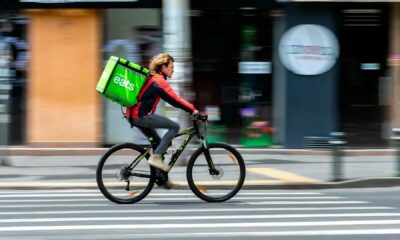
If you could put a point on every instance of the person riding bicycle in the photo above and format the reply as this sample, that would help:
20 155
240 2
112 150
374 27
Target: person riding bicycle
143 116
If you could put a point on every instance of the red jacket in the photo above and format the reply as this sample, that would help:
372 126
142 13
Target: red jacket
155 88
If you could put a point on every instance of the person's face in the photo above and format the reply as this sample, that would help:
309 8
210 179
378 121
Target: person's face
168 69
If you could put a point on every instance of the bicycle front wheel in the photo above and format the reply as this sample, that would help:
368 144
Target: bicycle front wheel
121 181
216 186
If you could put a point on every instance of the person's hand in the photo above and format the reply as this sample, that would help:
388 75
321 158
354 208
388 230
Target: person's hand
199 116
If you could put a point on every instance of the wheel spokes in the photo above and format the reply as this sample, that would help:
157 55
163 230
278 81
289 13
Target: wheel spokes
217 174
126 176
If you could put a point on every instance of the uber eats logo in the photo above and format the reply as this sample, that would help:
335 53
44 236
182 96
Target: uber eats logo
120 80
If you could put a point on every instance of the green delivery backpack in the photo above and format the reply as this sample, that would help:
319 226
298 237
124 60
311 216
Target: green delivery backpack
122 80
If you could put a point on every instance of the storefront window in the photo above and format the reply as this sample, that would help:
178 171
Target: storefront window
232 57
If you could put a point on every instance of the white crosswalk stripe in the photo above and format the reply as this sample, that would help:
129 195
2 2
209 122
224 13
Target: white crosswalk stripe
92 192
198 225
86 214
286 209
162 199
207 217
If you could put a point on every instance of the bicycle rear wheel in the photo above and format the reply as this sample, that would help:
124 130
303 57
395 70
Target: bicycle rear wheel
118 180
220 186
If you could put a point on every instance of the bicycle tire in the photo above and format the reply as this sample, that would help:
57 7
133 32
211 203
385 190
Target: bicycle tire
101 173
199 189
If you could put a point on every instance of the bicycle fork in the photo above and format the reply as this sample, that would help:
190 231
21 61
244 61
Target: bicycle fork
210 163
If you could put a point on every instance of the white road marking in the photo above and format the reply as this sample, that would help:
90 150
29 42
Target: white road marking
192 210
22 195
106 204
197 225
302 202
232 234
208 217
144 204
24 191
160 199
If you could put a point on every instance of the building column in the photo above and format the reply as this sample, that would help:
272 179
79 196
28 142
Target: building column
177 43
63 106
395 66
308 100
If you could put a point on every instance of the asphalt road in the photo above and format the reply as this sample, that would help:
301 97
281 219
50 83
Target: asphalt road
253 214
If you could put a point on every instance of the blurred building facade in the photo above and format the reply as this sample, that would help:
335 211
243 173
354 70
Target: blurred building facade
267 72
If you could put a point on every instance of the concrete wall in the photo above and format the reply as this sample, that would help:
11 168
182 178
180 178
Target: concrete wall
394 115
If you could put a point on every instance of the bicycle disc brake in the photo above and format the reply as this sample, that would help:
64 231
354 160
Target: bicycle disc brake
218 174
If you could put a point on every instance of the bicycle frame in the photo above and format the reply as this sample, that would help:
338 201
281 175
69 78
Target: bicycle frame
191 132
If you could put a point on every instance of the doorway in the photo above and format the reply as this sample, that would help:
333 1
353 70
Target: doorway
363 34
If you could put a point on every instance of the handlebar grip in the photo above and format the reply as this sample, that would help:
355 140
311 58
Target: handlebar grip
200 116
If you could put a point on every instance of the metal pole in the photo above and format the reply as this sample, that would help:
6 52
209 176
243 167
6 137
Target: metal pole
336 143
396 141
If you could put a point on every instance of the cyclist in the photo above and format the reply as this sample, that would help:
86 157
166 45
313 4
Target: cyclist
142 114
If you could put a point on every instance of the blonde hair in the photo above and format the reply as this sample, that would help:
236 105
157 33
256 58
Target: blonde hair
159 60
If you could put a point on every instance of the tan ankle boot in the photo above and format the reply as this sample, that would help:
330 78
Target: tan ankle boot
156 161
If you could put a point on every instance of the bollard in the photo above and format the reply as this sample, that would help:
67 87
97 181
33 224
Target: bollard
336 142
396 141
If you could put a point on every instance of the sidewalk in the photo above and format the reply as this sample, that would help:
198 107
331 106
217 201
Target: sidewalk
36 168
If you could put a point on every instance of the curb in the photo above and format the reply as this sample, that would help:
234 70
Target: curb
358 183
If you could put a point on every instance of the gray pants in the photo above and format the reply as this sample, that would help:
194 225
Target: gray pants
150 122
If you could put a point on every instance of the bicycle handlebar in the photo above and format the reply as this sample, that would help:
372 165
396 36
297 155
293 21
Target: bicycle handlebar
200 116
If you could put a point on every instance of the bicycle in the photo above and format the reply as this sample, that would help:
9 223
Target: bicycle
215 172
